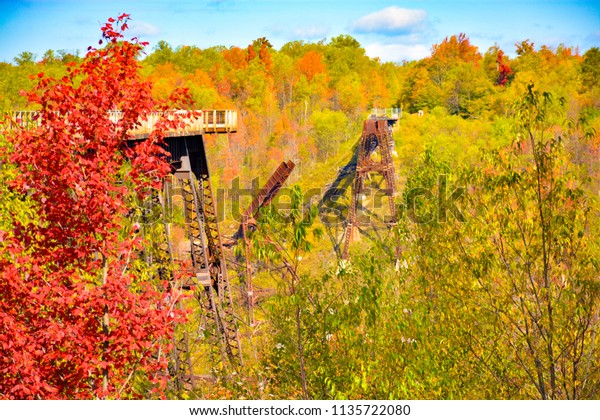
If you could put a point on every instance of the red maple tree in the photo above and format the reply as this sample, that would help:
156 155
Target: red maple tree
504 70
75 322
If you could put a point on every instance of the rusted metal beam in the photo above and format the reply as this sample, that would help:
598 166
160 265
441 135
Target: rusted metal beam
270 189
248 222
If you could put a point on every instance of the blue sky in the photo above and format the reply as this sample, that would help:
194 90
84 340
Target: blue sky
391 30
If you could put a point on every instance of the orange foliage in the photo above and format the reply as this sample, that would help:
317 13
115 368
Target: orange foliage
275 154
252 131
231 169
265 56
377 91
165 78
251 53
311 64
285 134
282 126
237 57
201 78
456 48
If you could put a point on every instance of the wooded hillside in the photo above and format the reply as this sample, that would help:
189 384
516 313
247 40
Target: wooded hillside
486 288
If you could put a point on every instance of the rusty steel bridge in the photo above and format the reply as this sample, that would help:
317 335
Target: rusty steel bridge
209 280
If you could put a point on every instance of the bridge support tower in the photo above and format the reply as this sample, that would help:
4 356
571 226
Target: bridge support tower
374 157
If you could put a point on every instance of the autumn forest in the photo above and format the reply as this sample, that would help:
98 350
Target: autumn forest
485 287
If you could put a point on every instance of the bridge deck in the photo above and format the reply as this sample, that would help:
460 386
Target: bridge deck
386 113
208 122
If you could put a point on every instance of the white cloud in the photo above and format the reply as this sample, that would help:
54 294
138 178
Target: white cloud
397 52
143 29
392 21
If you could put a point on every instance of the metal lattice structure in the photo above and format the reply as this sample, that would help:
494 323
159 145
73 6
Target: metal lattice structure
209 280
377 136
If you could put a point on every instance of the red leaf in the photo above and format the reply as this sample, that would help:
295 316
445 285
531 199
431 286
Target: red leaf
71 168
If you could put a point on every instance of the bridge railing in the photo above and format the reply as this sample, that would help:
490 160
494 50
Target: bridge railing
218 121
207 121
23 119
391 113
